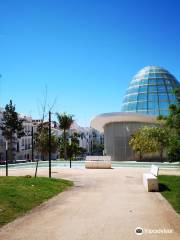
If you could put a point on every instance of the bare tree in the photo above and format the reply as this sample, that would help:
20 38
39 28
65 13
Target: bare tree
43 112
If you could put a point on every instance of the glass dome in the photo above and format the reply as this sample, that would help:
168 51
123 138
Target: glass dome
151 92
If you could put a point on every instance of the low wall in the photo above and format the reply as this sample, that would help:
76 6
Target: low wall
98 162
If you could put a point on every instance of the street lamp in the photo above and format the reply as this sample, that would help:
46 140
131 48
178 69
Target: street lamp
6 158
49 144
70 150
32 143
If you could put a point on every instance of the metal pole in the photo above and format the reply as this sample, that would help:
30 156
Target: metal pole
36 168
32 142
49 144
6 158
70 150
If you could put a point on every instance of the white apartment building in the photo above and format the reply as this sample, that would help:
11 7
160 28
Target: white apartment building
23 146
88 137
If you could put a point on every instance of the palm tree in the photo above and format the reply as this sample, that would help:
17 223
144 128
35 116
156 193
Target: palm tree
65 122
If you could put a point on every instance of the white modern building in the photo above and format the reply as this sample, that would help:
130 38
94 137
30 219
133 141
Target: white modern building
149 95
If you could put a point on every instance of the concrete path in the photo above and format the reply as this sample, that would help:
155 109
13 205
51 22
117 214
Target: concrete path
103 205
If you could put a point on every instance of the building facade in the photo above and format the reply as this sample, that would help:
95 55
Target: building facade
149 95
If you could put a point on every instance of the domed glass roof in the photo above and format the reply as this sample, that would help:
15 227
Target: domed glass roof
151 92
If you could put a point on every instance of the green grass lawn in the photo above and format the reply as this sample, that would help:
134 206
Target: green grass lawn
170 189
20 194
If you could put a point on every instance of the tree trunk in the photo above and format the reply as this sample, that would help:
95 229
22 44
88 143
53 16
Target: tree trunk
161 154
11 150
140 156
65 147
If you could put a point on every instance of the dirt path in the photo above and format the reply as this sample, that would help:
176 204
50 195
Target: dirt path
103 205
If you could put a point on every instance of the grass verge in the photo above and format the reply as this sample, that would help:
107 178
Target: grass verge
170 189
20 194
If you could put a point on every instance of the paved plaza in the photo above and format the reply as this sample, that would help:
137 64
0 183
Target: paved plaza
103 205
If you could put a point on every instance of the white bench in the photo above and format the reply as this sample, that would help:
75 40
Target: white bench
98 162
150 180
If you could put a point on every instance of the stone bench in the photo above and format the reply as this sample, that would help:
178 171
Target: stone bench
150 180
98 162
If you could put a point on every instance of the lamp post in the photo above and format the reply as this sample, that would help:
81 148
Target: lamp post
32 143
6 158
70 151
49 144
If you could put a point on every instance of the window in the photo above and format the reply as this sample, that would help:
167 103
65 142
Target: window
132 98
152 89
172 97
163 97
152 81
143 81
161 88
152 105
158 75
131 107
169 88
164 112
160 81
163 105
153 97
142 96
151 75
173 102
143 89
168 82
142 105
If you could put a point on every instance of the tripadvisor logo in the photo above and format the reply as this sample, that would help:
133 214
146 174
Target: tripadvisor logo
139 231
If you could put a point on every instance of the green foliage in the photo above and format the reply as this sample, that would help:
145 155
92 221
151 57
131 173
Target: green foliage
160 136
173 125
42 141
173 148
65 122
11 125
150 140
20 194
97 148
142 143
164 136
73 149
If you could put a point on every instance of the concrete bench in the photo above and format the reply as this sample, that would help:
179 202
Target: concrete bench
150 180
98 162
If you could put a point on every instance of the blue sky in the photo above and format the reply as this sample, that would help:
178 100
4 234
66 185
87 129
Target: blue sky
85 52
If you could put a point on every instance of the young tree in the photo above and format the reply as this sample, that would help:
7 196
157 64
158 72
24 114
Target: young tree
76 149
73 148
75 144
97 148
150 140
42 141
44 108
65 122
11 126
160 136
141 143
